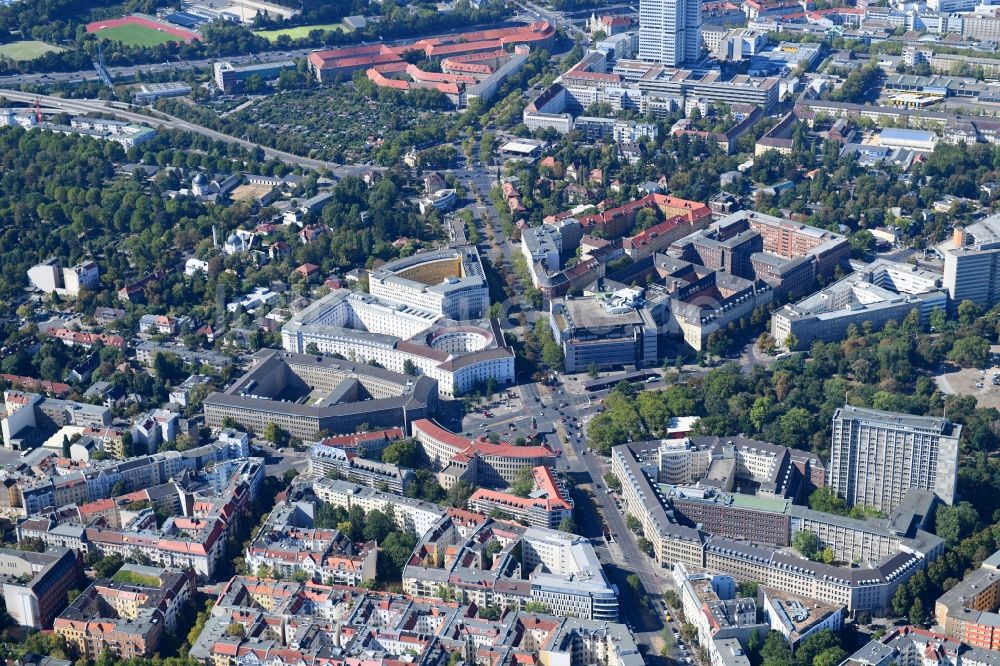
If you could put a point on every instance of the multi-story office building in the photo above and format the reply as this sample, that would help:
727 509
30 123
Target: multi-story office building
972 263
876 457
307 394
606 330
31 418
477 461
230 77
866 588
878 293
670 31
400 336
448 282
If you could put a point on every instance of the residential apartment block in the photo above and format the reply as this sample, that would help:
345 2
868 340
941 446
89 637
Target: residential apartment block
546 505
968 612
35 584
378 627
128 614
290 543
493 563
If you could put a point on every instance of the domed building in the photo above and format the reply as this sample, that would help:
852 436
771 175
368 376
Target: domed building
200 185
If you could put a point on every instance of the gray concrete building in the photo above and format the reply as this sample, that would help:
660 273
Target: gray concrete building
876 457
607 330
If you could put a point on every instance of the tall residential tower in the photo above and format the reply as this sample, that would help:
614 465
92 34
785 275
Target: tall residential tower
670 31
877 456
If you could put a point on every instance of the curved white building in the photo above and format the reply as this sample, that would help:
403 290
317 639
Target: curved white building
448 282
364 327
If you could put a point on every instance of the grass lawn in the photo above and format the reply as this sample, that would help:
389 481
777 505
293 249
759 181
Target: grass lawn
299 32
132 34
26 50
136 578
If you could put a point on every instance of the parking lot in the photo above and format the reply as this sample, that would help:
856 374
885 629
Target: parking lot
983 383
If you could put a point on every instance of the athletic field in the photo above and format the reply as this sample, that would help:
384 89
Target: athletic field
140 31
26 50
298 32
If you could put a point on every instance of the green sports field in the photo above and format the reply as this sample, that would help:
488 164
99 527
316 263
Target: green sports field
132 34
25 50
299 32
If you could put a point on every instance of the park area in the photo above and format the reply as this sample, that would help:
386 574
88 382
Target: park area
26 50
299 32
140 31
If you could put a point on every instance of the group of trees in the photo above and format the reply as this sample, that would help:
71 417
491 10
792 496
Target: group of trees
821 648
809 546
395 545
630 415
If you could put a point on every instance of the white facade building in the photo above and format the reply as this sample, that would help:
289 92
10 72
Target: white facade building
670 31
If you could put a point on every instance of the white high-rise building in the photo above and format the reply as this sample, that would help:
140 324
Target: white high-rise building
877 456
670 31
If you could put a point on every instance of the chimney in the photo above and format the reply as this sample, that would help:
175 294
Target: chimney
959 236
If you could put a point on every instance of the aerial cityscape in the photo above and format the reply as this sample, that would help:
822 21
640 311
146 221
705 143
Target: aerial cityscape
500 332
